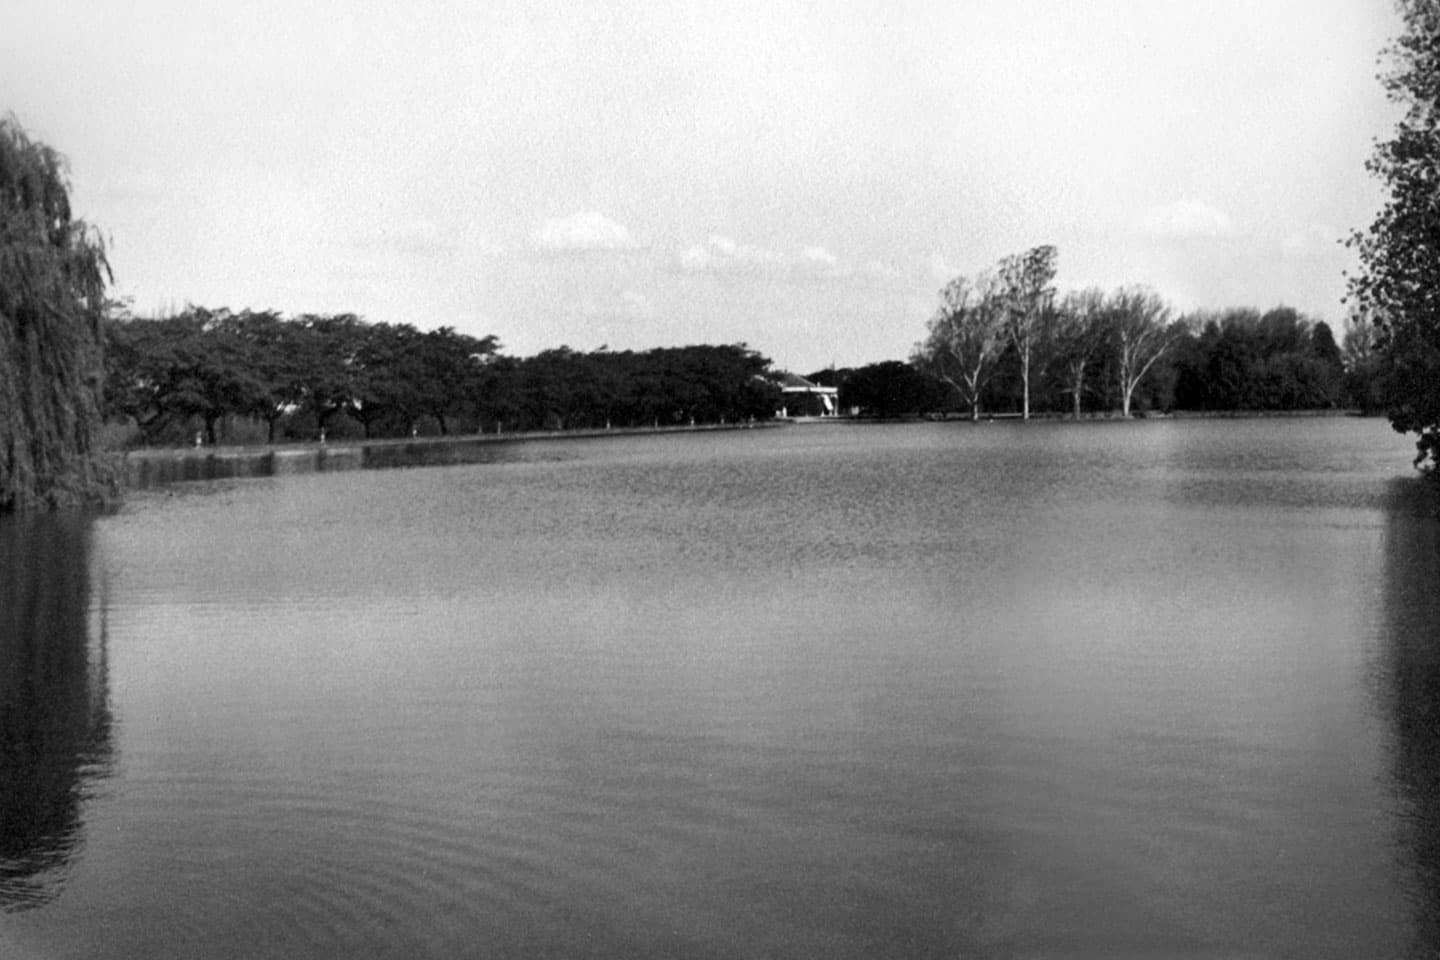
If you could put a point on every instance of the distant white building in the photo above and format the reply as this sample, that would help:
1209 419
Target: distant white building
802 398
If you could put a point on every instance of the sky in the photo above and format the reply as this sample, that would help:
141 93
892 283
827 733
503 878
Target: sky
798 176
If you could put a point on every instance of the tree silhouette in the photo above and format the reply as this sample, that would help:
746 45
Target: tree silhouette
53 273
1399 282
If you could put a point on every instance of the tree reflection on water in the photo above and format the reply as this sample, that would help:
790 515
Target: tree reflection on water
55 737
1411 692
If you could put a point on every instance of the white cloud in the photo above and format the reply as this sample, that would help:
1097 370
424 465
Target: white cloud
1185 220
817 263
579 232
722 255
723 245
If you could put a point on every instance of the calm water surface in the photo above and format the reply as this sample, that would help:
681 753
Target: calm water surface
1099 690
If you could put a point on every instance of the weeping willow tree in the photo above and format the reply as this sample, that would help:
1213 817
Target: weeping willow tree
53 273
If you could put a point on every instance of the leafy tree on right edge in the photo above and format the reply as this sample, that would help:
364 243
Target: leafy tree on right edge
1398 286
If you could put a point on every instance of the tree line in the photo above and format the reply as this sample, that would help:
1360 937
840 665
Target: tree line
257 375
260 376
1006 341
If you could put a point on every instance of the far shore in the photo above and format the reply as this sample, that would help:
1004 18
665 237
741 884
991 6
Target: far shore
1109 416
146 467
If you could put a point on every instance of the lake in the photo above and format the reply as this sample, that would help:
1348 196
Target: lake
1137 690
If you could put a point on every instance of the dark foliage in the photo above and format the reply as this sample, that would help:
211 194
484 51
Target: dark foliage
564 389
55 720
1398 287
207 370
53 273
1243 360
892 389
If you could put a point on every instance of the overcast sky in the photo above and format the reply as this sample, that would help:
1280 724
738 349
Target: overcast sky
799 176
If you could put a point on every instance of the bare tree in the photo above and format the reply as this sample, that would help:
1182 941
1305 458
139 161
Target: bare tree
1027 280
965 336
1140 323
1077 330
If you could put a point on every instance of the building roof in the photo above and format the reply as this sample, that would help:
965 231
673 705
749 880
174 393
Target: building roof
794 383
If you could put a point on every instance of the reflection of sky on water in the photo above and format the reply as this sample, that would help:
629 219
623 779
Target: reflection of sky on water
55 736
1148 704
1410 691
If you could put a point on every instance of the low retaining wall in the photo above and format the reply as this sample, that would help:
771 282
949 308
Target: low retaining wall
144 469
158 468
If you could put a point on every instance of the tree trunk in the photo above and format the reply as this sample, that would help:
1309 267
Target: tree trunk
1025 380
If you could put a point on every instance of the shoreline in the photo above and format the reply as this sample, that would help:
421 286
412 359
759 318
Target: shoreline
144 469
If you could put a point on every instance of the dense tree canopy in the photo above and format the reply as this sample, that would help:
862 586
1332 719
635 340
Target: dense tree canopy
1245 360
889 389
1398 287
53 274
216 370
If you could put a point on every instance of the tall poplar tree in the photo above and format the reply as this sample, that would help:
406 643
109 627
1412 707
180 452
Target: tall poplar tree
1399 282
1028 279
53 273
